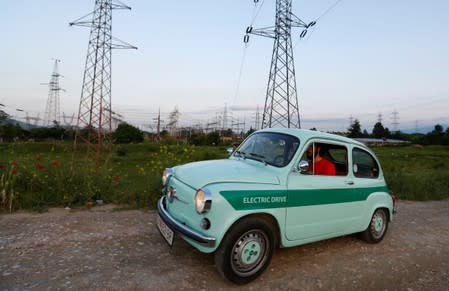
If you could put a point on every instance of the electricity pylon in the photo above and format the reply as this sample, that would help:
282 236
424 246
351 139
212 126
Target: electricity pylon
52 116
395 122
94 125
281 103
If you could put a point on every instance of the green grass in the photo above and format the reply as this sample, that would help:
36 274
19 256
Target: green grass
45 176
416 173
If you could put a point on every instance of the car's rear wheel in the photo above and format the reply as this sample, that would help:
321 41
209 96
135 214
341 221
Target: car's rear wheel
377 227
246 250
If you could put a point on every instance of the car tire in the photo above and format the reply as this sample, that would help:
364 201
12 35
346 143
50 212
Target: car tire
377 227
246 250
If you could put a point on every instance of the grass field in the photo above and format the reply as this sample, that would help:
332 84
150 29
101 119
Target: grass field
415 172
39 175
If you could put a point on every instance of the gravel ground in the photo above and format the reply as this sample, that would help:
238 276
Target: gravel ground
101 248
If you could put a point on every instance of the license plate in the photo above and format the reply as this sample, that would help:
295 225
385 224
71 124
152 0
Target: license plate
166 232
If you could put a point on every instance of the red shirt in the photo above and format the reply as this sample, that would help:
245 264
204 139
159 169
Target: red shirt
323 167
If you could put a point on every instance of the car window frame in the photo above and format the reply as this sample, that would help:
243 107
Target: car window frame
347 146
373 157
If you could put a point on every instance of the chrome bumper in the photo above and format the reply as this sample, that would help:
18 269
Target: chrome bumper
181 228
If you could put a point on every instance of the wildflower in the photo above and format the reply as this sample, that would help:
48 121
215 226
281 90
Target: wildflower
2 167
117 178
39 166
55 163
14 172
14 163
37 158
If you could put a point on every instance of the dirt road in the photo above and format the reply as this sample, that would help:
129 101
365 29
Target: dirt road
105 249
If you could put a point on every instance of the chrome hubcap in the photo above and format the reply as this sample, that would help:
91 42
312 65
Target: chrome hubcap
249 253
378 224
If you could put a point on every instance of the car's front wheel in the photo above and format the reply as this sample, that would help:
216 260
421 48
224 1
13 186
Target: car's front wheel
246 250
377 227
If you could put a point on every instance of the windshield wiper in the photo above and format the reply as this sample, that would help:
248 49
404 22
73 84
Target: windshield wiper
241 153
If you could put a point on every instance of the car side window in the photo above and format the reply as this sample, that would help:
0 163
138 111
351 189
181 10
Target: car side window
326 159
363 164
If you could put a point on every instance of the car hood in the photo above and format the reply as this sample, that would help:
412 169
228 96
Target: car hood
200 174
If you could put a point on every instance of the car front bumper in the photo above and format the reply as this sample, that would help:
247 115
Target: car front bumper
181 228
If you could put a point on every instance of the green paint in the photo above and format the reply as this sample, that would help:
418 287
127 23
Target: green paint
264 199
256 199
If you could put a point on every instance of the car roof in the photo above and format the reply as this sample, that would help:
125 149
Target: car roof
304 134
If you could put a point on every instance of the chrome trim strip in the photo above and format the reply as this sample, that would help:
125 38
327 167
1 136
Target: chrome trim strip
181 228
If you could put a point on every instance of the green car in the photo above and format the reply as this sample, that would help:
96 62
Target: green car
280 188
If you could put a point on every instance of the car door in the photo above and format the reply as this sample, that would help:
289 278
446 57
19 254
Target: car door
367 178
320 205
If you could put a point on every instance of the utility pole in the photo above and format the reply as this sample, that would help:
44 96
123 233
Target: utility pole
94 125
281 102
52 115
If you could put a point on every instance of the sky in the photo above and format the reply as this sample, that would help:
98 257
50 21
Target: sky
363 59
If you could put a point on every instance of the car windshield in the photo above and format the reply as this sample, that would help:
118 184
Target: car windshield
275 149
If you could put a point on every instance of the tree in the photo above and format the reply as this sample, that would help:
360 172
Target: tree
56 133
446 137
436 136
355 129
3 115
251 130
438 129
126 133
198 139
213 138
11 132
379 130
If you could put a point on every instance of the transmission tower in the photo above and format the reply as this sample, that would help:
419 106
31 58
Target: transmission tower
94 125
52 116
379 117
281 103
68 121
257 124
395 118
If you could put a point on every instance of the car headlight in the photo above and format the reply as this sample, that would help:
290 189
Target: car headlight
203 201
165 175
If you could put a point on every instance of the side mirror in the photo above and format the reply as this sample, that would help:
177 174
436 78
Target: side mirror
303 167
230 150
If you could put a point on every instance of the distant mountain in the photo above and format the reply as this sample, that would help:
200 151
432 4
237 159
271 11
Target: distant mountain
22 124
424 129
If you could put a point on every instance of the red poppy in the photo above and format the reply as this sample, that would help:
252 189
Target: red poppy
14 172
116 178
39 166
55 163
2 167
37 158
14 163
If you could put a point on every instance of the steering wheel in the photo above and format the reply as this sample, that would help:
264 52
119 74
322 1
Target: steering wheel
279 160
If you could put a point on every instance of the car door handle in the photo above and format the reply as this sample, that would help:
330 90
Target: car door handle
349 182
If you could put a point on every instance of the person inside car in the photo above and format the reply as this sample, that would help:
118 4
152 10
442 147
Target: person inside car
321 166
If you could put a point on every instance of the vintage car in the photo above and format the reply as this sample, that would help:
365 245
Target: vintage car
269 193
